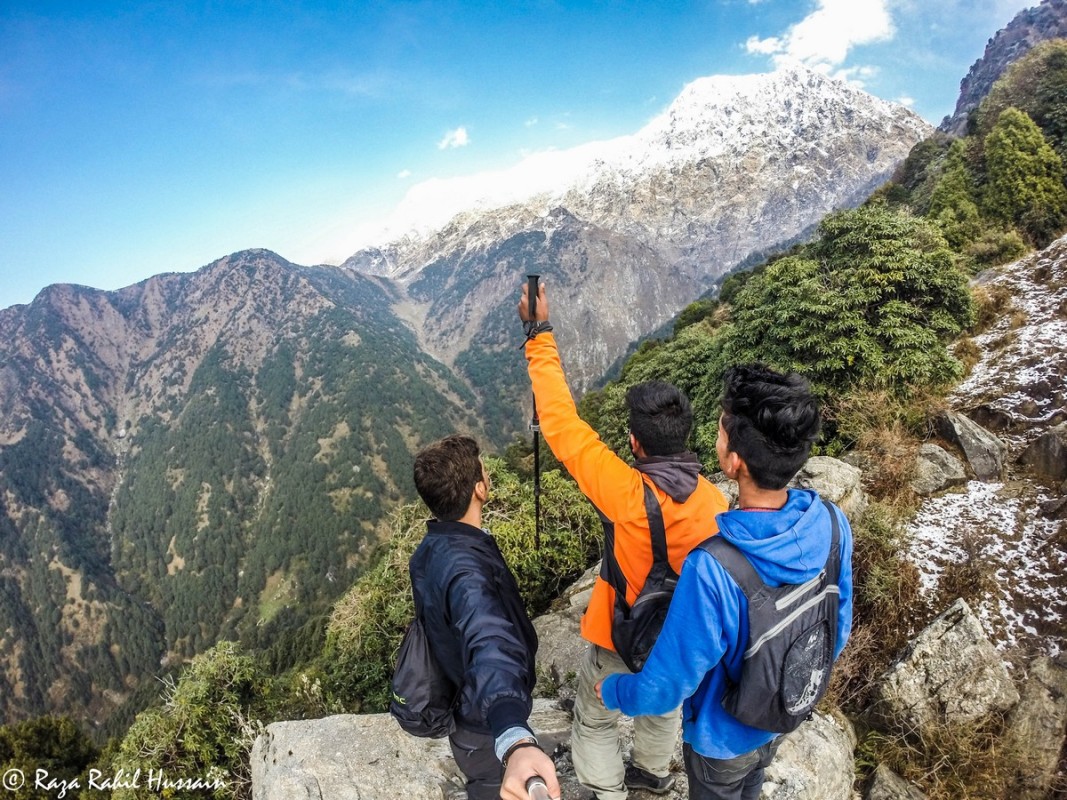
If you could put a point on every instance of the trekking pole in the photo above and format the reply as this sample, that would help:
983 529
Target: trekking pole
537 789
535 423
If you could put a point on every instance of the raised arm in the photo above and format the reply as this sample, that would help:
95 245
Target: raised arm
600 473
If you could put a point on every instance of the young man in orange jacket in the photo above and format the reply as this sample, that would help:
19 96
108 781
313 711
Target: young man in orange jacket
660 422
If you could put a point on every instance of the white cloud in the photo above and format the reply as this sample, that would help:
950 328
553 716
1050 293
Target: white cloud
531 122
823 39
764 47
906 101
404 173
857 76
456 138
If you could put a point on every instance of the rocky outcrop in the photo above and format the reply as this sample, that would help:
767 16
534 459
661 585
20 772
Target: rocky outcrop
815 761
1028 28
368 757
984 451
1047 454
936 470
887 785
1038 725
950 674
836 481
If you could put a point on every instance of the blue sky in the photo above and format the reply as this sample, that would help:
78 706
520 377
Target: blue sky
140 138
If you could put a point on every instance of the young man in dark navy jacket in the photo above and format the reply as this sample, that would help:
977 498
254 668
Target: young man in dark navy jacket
478 628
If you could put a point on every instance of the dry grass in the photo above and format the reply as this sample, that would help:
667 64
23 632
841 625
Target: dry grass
887 606
951 762
973 578
990 304
888 432
967 353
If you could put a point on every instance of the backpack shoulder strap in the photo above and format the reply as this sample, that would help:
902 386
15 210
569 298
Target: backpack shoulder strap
661 565
833 560
610 570
736 564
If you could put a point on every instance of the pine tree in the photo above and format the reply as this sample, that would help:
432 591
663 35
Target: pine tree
952 202
1024 178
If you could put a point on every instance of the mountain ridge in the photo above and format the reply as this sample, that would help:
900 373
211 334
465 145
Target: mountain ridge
213 454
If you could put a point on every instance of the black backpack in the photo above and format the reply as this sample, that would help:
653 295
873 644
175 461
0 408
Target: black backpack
792 634
634 629
424 699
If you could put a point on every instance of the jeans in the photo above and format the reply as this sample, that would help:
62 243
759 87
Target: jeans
738 778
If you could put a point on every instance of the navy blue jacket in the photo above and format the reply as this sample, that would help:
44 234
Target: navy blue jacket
477 624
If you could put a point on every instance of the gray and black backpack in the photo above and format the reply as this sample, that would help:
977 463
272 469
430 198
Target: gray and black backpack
792 634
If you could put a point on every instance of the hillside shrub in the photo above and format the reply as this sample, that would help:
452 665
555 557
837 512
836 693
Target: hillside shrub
888 608
995 246
203 731
950 762
1037 85
1024 178
872 303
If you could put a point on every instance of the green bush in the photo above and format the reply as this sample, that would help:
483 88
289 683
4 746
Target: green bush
53 744
1037 85
872 303
204 730
1024 178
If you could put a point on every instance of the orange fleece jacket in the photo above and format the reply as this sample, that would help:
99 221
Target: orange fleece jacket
615 488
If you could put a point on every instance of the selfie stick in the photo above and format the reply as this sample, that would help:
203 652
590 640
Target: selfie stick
537 789
535 423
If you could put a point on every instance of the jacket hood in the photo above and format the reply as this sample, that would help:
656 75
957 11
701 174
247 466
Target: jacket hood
675 475
786 546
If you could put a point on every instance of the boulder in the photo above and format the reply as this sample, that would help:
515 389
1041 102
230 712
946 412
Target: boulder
984 451
995 419
367 757
836 481
936 469
814 762
1038 725
560 643
887 785
949 674
1046 456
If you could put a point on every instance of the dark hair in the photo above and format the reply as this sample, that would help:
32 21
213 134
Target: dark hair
771 419
660 417
445 474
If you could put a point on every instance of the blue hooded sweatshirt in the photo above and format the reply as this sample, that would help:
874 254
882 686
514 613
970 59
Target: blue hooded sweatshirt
706 630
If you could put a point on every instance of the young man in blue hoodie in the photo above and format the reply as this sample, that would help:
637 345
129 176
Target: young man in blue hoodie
769 422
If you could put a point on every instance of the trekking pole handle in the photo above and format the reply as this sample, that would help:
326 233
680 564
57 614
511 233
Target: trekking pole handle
531 286
537 789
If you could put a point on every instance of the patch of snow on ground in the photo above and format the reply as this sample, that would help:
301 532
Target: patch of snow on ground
1004 528
1024 355
1020 373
